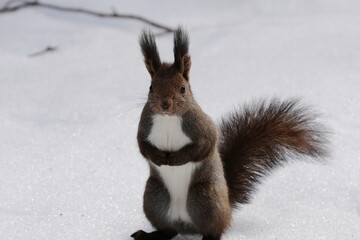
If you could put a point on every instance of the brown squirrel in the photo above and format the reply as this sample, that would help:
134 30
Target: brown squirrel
198 174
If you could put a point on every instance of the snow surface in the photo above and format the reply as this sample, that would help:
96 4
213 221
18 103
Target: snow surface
70 166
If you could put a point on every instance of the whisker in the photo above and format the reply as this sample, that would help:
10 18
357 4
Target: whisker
133 107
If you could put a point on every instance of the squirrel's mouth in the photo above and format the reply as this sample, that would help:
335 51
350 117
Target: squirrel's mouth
171 111
167 113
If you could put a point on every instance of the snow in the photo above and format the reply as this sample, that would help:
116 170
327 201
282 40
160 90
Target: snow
70 166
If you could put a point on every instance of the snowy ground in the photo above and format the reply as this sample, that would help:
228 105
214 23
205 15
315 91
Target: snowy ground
69 163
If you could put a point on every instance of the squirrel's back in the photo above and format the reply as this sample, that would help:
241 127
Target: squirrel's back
257 138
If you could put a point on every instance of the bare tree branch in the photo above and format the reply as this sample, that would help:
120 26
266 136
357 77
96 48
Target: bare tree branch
10 7
48 49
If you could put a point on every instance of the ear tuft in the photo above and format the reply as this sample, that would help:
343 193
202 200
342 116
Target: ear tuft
149 51
182 60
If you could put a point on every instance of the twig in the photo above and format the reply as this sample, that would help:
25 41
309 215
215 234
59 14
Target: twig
29 4
44 51
9 2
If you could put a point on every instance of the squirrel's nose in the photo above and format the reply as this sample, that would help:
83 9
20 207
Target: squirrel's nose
165 105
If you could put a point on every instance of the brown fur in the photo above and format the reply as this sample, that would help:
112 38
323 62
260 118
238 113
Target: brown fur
258 138
166 86
182 59
208 198
253 141
149 50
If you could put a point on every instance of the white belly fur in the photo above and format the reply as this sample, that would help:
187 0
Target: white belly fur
167 135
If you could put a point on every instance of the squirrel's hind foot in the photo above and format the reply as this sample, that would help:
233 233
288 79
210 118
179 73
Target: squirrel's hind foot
156 235
211 237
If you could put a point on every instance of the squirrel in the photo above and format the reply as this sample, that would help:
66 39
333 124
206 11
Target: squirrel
200 173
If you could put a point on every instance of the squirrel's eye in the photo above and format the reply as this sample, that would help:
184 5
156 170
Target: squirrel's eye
182 90
150 88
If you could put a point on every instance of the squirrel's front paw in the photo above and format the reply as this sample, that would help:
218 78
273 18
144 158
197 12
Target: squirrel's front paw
158 158
158 161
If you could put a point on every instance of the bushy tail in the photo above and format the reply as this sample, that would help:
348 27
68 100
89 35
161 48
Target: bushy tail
257 138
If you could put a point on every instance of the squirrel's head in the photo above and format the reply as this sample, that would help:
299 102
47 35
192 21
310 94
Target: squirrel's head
169 91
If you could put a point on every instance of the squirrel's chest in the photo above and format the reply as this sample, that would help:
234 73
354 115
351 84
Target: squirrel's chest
166 133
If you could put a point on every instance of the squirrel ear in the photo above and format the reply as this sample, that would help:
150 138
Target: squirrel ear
149 51
181 52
